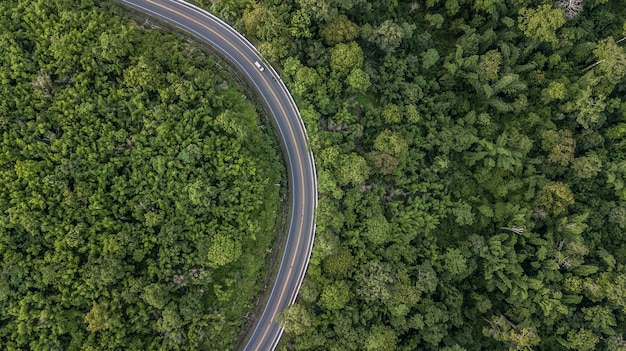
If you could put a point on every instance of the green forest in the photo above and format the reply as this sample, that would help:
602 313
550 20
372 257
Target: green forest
137 185
471 161
472 167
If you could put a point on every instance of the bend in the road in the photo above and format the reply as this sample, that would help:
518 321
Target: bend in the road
302 176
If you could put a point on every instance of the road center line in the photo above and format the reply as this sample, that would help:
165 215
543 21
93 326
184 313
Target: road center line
293 139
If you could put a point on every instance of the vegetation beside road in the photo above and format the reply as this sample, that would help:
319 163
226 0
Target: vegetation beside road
471 164
137 184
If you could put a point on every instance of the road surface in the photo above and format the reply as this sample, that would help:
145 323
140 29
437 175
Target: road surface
302 179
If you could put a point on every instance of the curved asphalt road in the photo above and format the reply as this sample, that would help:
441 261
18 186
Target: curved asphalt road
302 179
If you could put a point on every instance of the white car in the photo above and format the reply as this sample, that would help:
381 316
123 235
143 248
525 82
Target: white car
258 65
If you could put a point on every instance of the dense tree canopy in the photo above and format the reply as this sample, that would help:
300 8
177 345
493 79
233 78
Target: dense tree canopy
471 162
472 188
137 190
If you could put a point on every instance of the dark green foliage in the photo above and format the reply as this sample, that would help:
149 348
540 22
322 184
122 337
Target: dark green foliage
137 192
472 187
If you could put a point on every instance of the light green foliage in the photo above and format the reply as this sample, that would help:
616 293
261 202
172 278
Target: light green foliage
454 262
155 295
261 22
335 296
555 197
452 7
353 169
519 338
391 143
600 318
582 339
611 60
587 166
132 168
229 9
392 113
339 30
375 281
170 320
97 318
435 20
488 6
616 343
446 216
223 250
377 230
346 57
300 24
320 10
489 65
541 23
306 80
359 80
339 264
556 91
589 108
295 319
380 338
142 75
560 145
463 214
388 36
431 56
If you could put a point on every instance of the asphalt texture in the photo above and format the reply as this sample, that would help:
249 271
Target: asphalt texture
302 185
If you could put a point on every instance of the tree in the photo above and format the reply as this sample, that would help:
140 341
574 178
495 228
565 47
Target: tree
155 295
560 145
454 262
600 319
488 6
115 46
143 75
335 296
431 56
587 166
300 24
392 143
588 107
223 250
321 10
170 320
435 20
582 339
611 64
381 338
295 319
359 80
541 23
616 343
392 113
555 91
262 23
97 318
520 338
353 169
388 36
377 230
346 57
375 281
339 264
339 30
555 197
489 65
